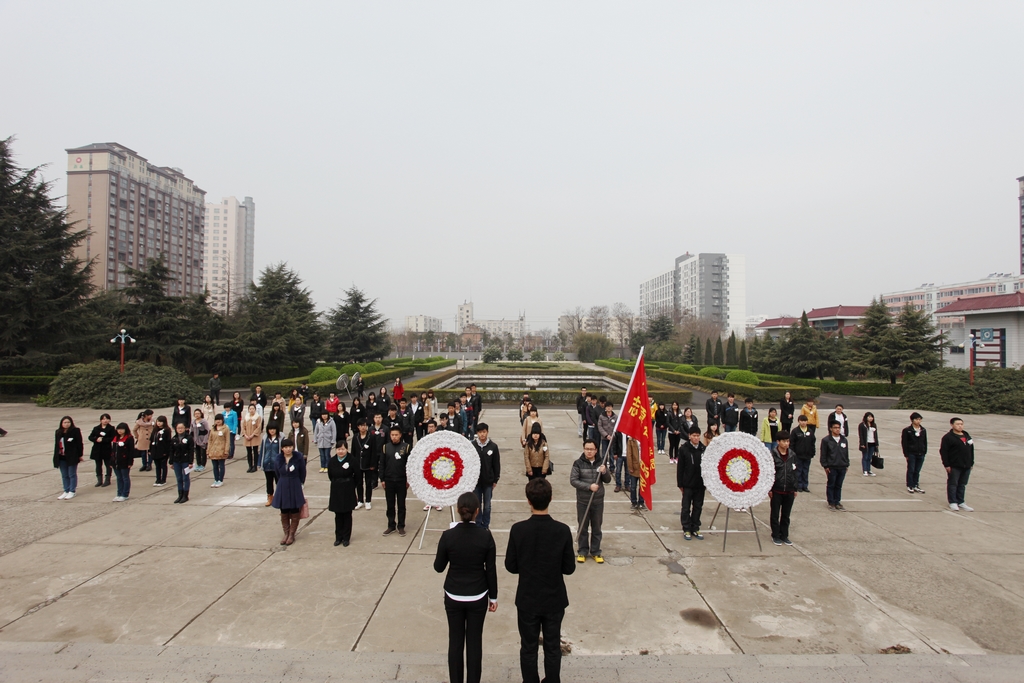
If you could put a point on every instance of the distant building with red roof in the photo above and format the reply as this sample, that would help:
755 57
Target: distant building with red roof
997 323
830 319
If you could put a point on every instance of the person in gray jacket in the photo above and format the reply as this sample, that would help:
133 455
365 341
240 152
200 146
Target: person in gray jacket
588 477
835 458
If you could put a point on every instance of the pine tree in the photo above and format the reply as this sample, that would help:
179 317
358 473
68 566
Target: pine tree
356 330
922 346
161 324
719 353
660 329
730 350
692 349
878 349
44 288
743 355
709 356
698 352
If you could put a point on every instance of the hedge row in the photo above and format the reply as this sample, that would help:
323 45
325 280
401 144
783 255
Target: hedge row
25 385
772 392
235 381
389 362
371 379
828 386
494 397
428 365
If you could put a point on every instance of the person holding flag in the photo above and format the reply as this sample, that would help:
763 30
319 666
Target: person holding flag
588 477
635 422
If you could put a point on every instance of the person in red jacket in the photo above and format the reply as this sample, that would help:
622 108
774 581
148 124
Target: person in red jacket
399 391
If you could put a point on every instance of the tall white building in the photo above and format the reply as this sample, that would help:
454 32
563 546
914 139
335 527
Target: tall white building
422 323
229 245
709 286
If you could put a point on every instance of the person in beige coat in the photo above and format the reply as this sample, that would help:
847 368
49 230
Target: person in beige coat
531 419
217 449
536 456
143 432
252 435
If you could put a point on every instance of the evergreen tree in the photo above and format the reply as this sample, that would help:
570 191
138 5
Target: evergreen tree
922 345
743 355
768 356
719 353
692 349
158 322
356 330
878 349
730 350
277 326
43 287
698 352
660 329
709 356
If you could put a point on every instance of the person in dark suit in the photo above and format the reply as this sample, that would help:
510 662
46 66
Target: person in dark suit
540 550
470 589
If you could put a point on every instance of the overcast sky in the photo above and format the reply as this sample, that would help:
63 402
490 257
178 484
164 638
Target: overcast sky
545 155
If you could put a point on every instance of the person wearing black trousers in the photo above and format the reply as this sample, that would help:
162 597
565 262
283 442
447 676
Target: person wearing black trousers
391 468
470 589
181 413
540 551
101 437
691 484
182 454
160 449
786 411
366 460
783 492
342 471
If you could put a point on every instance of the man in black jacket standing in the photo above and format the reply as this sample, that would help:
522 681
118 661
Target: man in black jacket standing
957 453
478 404
490 472
540 551
713 407
914 441
588 477
691 484
803 443
835 458
730 414
749 423
391 468
783 493
581 407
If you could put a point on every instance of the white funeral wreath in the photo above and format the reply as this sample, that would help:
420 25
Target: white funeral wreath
454 468
735 482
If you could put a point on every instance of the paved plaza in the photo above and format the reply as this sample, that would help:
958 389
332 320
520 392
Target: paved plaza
148 590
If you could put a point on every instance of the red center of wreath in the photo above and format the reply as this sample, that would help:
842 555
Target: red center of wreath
738 470
442 469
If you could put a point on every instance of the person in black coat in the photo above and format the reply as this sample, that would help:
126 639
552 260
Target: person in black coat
490 472
122 457
540 550
786 411
957 452
101 437
749 421
691 484
835 459
803 443
68 451
713 408
160 449
784 490
182 454
366 460
470 589
342 470
391 469
730 415
914 440
181 414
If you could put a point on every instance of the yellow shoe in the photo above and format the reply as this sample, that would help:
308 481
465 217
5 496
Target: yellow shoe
599 559
581 558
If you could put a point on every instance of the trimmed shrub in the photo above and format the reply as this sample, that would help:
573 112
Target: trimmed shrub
713 372
946 390
765 392
373 366
388 362
350 369
514 355
491 354
101 385
25 385
538 356
840 388
684 369
743 377
559 356
323 374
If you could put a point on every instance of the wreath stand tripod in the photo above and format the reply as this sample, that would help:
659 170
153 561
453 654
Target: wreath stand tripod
725 533
427 521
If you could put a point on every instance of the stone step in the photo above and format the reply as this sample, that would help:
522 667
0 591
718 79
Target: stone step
22 662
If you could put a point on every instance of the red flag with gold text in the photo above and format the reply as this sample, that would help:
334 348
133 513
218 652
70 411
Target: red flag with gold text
635 422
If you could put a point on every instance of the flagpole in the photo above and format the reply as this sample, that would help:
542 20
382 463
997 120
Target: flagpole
604 462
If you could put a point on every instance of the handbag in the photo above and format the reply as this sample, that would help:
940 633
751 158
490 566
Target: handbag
878 462
304 511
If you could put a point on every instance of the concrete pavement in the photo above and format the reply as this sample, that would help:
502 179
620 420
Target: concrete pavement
207 581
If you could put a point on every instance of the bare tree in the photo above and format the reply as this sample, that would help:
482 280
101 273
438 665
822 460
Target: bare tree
624 324
702 328
598 319
574 319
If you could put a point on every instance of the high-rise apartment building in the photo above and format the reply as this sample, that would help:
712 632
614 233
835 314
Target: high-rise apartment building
709 286
1020 184
132 211
230 239
422 323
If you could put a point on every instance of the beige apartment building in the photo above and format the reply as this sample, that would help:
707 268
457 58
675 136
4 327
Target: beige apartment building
131 211
228 256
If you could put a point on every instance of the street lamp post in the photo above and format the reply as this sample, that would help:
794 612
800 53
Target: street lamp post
122 337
